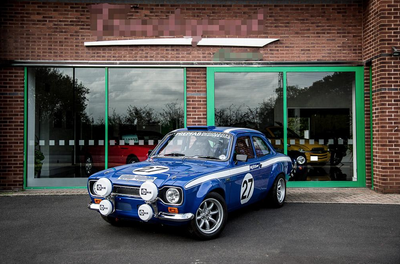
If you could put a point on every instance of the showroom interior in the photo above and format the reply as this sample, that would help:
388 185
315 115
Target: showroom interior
87 86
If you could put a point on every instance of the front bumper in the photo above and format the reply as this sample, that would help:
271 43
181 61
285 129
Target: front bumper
158 215
317 157
175 217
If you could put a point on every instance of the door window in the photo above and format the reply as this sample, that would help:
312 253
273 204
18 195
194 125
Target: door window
243 146
260 147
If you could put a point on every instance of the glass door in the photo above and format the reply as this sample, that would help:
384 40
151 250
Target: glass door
313 114
320 125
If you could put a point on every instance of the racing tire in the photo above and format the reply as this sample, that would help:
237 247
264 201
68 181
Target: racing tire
277 194
210 217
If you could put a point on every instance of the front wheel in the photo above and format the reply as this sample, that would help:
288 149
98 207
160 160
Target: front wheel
277 194
210 217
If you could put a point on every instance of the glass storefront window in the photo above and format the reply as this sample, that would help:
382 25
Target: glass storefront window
65 115
67 126
91 125
144 105
320 124
252 100
310 113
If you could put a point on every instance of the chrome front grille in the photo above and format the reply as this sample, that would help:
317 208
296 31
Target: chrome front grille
126 190
322 156
318 151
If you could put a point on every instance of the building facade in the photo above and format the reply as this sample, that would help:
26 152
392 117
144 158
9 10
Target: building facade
90 85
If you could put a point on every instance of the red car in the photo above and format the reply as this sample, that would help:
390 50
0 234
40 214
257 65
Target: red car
130 148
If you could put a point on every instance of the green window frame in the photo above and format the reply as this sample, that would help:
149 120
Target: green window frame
359 113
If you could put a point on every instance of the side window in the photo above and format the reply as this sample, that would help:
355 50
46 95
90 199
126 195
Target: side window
243 146
260 146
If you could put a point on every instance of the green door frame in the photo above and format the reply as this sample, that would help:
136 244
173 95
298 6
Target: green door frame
359 107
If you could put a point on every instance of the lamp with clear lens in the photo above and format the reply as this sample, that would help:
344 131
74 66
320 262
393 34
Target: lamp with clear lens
301 160
172 195
103 187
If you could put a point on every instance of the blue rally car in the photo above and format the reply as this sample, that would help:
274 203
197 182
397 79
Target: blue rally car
194 176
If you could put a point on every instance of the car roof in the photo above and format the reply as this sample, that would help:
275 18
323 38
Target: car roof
230 130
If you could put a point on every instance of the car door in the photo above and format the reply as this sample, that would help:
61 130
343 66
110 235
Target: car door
263 154
247 174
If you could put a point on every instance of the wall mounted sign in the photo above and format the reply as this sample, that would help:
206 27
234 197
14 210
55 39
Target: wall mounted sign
112 20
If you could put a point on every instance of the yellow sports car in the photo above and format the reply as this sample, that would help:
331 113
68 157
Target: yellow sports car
314 152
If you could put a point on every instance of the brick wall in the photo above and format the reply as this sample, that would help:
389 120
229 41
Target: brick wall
196 96
353 31
11 128
381 33
57 31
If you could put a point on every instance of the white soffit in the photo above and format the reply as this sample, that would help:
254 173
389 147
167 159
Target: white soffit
226 42
133 42
235 42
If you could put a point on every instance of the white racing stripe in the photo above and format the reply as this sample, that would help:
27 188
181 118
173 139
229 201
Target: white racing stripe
238 128
232 172
275 160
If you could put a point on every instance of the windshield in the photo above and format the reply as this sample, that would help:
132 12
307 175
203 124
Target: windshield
208 145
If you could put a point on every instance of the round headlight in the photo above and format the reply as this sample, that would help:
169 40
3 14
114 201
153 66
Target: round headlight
172 195
148 191
301 160
102 187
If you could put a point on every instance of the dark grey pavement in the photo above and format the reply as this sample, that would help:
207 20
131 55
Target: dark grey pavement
60 229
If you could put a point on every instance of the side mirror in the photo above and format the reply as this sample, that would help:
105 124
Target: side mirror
241 157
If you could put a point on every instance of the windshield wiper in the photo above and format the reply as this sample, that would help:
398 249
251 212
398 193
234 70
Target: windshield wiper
175 154
208 157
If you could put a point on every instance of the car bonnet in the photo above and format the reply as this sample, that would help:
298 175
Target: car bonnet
162 172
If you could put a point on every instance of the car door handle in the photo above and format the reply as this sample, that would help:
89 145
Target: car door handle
255 166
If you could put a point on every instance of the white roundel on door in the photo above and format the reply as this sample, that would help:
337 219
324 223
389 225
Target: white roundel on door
247 188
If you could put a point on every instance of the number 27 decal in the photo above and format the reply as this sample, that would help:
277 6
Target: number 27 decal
247 188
